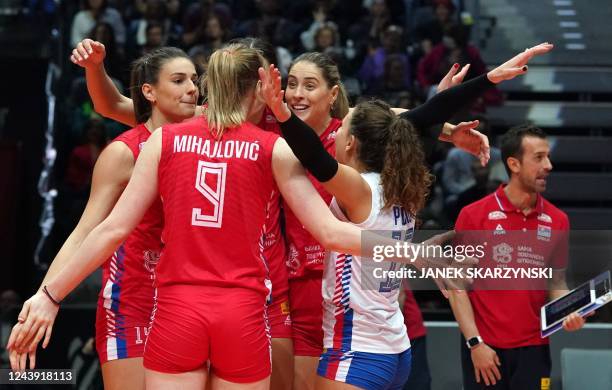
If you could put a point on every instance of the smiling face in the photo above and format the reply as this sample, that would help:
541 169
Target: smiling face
309 95
175 93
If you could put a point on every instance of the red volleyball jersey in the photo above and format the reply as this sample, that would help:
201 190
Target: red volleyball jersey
511 318
215 195
274 241
127 292
304 254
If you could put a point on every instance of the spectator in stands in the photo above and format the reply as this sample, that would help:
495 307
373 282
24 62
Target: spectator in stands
372 70
271 25
156 12
196 17
215 36
481 187
200 55
395 87
326 38
96 11
83 157
321 28
454 49
116 66
430 33
173 8
369 28
154 37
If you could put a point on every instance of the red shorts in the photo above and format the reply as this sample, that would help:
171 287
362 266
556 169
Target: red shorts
121 334
195 324
280 319
307 316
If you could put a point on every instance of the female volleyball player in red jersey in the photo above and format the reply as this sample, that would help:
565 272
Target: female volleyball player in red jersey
318 97
215 175
163 91
109 102
373 140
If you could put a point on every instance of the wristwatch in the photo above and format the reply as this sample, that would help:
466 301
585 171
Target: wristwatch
473 341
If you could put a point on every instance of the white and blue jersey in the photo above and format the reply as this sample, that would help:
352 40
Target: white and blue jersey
360 312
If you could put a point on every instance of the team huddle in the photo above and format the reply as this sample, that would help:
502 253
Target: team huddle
201 285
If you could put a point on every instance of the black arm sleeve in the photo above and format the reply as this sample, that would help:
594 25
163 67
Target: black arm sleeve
309 149
444 105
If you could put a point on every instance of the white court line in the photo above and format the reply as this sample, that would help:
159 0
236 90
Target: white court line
566 12
572 35
569 24
562 3
575 46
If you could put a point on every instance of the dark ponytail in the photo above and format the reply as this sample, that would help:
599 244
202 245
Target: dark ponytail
389 145
405 177
145 70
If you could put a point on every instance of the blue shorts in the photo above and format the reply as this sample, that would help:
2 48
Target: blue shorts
370 371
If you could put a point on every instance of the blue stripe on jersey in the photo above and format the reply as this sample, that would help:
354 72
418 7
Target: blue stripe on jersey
323 364
347 323
347 330
116 291
120 337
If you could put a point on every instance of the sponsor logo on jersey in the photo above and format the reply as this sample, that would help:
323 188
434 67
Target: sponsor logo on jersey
544 233
292 259
544 218
495 215
288 321
151 258
499 230
331 135
284 306
502 253
141 145
545 384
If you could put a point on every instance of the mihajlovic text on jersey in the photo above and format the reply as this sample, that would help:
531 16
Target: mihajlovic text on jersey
216 148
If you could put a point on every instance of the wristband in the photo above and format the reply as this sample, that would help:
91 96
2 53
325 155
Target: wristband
48 294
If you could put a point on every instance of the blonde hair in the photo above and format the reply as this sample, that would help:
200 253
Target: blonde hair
231 74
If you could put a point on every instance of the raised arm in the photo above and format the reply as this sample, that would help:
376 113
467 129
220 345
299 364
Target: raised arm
444 105
107 99
346 184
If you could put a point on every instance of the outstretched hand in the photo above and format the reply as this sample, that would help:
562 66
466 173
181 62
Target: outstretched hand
36 321
465 137
88 53
453 78
517 65
272 93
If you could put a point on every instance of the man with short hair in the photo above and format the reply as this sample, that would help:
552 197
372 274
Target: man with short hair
501 345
